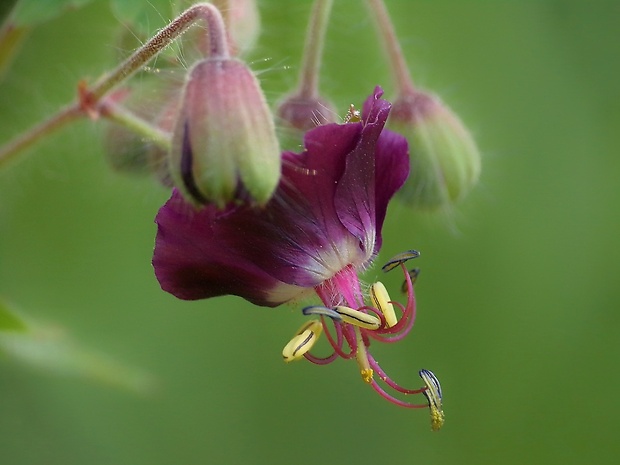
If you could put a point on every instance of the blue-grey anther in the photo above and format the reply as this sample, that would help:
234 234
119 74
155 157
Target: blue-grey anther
413 276
435 398
400 258
320 310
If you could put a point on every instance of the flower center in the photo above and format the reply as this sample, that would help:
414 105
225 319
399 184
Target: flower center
355 324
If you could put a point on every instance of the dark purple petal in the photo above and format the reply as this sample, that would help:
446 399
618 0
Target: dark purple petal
296 240
325 215
375 170
391 172
355 197
191 264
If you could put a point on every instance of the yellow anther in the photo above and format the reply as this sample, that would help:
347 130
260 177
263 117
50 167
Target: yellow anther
381 301
357 318
435 399
303 341
437 418
367 375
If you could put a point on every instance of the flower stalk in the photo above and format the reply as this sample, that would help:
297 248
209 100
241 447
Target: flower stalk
121 115
396 58
304 108
217 45
62 118
445 158
89 97
308 86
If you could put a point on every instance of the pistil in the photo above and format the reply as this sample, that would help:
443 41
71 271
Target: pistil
362 357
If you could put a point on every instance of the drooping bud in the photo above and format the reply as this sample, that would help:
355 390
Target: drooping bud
304 108
298 114
130 153
125 152
304 114
224 145
445 161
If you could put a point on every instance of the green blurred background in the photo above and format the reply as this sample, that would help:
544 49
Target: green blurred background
518 297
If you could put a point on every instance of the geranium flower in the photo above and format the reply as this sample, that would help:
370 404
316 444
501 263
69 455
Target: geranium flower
320 230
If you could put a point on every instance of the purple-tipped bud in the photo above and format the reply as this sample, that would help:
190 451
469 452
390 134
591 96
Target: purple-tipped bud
304 114
445 161
224 145
298 114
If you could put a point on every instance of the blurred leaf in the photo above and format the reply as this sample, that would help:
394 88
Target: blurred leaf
50 349
31 12
5 8
9 321
11 39
11 36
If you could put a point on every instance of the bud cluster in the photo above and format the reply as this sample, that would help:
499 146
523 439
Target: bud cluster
224 147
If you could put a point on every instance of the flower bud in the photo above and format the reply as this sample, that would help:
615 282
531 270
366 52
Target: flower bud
130 153
125 152
298 114
445 161
224 145
305 114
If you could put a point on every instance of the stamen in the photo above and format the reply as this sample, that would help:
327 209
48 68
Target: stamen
407 320
341 335
362 357
303 341
394 400
435 398
336 345
413 276
400 258
381 300
357 318
389 381
320 310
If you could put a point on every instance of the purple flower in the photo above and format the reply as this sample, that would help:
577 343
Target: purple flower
320 229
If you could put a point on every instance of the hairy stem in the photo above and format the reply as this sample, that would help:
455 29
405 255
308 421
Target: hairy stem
89 98
386 32
61 119
123 116
218 45
313 49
